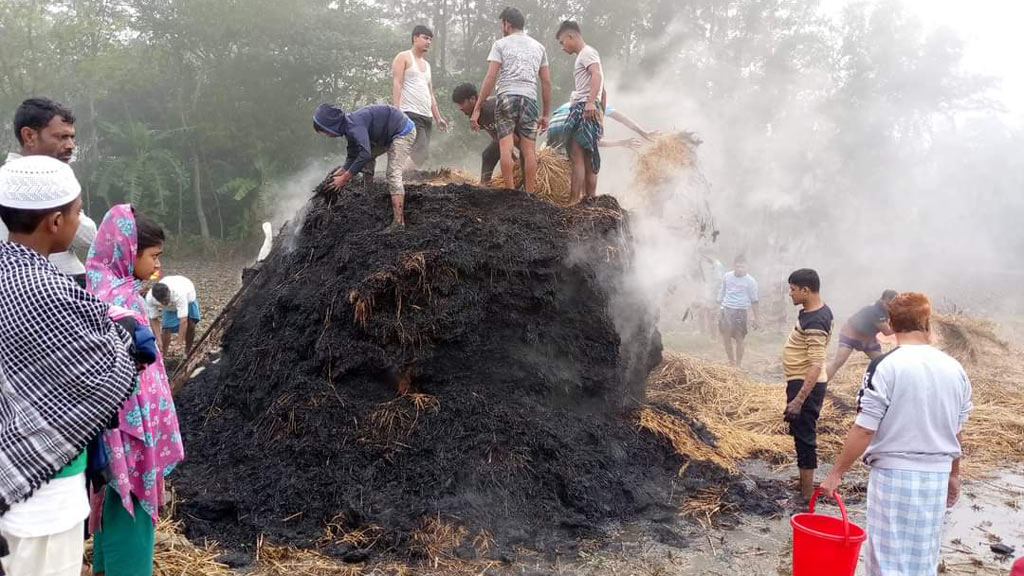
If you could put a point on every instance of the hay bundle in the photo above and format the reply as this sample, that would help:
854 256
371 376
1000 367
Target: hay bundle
966 338
662 160
442 176
554 175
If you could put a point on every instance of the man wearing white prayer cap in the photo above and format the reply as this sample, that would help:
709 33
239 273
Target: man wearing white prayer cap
65 369
45 128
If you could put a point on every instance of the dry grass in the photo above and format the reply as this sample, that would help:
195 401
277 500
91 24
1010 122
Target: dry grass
272 560
706 505
661 161
968 339
554 175
395 420
746 415
437 540
443 176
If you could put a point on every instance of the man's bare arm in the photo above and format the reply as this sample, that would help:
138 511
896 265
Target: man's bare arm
155 325
490 79
398 79
629 123
545 93
485 92
857 441
884 328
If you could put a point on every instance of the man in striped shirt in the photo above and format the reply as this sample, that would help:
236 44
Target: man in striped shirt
803 360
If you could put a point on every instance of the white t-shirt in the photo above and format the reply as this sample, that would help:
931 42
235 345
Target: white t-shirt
53 508
581 73
182 291
521 59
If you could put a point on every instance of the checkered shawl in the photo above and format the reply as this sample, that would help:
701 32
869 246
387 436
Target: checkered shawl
64 371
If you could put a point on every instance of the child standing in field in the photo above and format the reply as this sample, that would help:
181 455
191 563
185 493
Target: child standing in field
146 445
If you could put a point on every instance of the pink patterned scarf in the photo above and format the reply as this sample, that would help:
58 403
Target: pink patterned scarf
146 446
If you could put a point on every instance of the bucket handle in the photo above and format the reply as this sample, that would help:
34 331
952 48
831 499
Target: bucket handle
842 510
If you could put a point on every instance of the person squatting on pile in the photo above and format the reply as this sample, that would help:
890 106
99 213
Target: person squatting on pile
413 93
515 63
465 97
803 361
912 406
556 128
371 131
65 369
43 127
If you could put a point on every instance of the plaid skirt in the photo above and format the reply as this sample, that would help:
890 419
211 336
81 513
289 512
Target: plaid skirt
905 513
587 133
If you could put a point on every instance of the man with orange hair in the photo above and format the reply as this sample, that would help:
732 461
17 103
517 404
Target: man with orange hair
912 405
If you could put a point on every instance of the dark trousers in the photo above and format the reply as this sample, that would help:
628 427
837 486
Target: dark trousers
489 158
421 148
804 429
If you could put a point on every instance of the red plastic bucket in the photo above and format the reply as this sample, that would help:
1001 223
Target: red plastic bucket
825 545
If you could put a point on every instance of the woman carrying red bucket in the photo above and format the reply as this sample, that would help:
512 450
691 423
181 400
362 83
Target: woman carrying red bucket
910 410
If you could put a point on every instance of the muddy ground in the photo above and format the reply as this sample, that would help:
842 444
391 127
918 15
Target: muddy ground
990 511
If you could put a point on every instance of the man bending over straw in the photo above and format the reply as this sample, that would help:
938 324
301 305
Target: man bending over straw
913 403
584 125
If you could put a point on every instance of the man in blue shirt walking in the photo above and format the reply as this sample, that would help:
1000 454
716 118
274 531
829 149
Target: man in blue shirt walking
371 131
736 295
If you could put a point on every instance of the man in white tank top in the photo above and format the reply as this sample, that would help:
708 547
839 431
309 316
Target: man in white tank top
413 92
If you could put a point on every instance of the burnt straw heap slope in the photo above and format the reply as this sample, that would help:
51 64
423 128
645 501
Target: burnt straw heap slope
481 368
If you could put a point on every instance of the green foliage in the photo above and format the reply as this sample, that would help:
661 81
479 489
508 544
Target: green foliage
139 168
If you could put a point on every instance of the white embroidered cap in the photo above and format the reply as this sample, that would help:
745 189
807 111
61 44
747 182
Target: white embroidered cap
37 183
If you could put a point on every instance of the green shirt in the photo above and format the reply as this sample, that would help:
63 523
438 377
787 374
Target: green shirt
75 467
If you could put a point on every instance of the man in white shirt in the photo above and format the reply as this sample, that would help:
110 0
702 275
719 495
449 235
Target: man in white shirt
172 301
585 121
515 63
45 128
737 293
413 92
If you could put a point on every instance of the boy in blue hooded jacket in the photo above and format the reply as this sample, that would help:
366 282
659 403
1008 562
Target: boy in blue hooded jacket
371 131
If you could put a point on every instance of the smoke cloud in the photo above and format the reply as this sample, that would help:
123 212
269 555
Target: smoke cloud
812 168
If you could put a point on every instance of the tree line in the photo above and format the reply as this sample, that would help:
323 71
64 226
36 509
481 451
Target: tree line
192 109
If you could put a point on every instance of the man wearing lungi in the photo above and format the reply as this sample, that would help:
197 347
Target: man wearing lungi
584 125
913 403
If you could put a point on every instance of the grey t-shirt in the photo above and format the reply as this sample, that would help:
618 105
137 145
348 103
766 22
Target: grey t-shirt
521 59
916 399
582 76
